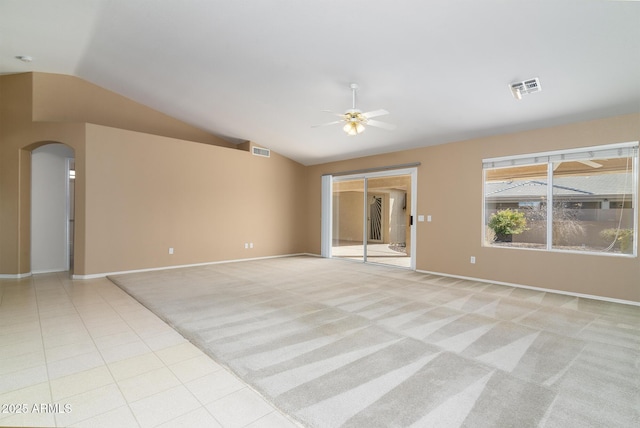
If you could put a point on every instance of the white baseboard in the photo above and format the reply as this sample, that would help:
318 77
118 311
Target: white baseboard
38 272
15 276
548 290
104 274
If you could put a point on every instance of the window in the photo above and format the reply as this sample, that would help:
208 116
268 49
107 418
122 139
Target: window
581 200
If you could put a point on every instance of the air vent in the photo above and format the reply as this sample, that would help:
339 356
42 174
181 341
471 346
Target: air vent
259 151
518 89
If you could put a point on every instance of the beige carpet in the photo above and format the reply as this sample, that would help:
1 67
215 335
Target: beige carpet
336 343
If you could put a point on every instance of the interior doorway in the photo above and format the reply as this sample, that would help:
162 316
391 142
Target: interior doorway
371 217
52 208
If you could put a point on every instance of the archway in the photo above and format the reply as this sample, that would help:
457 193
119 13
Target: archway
52 207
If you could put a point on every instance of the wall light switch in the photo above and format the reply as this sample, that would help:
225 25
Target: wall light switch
250 244
246 245
428 218
170 250
473 260
420 218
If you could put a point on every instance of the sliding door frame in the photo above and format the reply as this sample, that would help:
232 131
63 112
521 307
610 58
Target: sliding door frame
327 206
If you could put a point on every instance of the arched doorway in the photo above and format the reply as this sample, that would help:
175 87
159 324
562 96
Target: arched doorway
52 208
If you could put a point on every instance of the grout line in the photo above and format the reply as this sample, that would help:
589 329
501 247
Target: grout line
32 282
101 356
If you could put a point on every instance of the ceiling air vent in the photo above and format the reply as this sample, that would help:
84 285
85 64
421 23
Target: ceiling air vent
518 89
259 151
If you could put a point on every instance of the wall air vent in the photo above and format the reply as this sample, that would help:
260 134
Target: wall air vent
259 151
518 89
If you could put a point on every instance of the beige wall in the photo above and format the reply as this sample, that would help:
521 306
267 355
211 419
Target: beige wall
18 136
450 190
61 98
347 216
148 193
138 193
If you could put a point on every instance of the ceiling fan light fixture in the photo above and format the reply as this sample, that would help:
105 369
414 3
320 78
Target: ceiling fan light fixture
355 120
353 128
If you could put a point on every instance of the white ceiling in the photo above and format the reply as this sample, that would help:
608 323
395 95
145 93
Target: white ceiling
264 70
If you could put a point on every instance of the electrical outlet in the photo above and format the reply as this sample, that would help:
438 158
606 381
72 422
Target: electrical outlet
170 250
473 260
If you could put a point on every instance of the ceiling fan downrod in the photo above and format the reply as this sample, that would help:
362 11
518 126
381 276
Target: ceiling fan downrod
354 88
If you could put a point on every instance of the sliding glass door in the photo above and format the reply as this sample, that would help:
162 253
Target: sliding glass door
371 217
347 219
389 220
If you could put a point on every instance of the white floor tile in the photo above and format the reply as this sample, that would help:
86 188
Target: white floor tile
274 419
74 365
120 417
30 420
196 418
66 339
164 340
135 366
195 368
21 362
34 394
89 404
27 346
214 386
58 353
23 378
26 328
111 360
177 353
80 382
147 384
123 352
104 342
164 406
239 408
70 325
108 327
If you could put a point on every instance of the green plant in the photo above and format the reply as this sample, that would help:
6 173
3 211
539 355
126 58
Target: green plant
506 223
624 237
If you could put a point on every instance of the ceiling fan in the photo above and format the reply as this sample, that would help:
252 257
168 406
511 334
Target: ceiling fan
586 162
355 120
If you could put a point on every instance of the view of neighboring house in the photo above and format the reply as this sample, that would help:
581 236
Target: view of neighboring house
585 206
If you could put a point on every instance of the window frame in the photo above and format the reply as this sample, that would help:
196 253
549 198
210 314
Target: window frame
549 158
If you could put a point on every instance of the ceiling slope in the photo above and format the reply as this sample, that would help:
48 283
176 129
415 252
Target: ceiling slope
264 70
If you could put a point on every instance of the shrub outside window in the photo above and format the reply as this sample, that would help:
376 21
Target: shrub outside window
582 200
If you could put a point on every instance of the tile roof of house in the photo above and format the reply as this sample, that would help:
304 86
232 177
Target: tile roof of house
600 185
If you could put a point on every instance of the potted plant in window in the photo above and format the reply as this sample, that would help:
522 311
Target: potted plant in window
506 223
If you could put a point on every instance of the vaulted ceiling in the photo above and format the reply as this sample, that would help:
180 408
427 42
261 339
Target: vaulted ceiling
265 70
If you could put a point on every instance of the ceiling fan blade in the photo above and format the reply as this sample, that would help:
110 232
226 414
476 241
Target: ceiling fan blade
382 125
333 113
327 124
375 113
592 164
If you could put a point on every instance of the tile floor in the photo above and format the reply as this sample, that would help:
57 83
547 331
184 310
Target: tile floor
84 353
376 253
